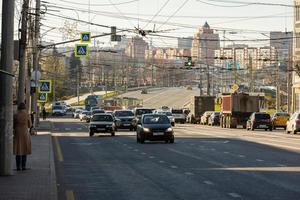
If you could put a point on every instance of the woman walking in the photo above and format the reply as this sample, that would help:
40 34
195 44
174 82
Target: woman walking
22 140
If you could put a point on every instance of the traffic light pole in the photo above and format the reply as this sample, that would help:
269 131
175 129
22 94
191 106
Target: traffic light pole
6 95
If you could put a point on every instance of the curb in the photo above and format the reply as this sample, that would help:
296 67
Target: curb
53 194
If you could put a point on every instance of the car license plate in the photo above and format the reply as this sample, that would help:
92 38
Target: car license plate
158 133
126 124
263 126
100 129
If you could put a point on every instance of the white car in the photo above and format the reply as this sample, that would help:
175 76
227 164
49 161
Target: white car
84 114
169 115
58 110
293 124
76 113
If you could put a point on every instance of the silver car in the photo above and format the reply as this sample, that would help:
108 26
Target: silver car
169 115
293 124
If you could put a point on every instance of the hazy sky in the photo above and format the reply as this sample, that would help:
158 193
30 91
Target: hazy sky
247 20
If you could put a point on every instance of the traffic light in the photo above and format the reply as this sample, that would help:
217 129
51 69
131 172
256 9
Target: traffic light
189 62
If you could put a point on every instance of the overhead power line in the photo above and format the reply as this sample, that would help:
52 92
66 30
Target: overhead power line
243 3
106 4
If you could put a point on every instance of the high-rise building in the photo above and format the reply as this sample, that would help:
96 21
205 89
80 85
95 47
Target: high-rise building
185 43
296 59
283 42
204 44
136 49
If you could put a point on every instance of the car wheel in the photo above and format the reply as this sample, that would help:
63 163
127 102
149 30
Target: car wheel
137 139
166 141
270 129
252 128
112 133
274 127
142 140
172 140
284 128
91 133
266 129
287 131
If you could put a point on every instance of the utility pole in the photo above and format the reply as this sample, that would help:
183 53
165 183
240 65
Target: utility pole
234 66
251 89
36 60
6 97
278 89
289 81
22 54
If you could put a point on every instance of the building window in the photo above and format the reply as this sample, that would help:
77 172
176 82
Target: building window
297 14
297 40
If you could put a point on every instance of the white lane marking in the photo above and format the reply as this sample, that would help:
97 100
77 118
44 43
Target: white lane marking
234 195
208 182
241 156
188 173
259 160
192 144
226 152
174 167
125 144
151 157
67 129
161 161
143 153
212 149
136 150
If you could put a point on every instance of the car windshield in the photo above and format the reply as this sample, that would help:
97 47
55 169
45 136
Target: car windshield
143 111
282 114
123 113
177 111
156 119
166 113
262 116
57 107
216 114
98 111
105 118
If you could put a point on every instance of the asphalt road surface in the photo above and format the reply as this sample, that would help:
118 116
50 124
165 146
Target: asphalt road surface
203 163
172 97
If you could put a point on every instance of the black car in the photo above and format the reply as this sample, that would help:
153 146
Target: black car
102 123
259 120
138 112
154 127
93 112
214 119
124 119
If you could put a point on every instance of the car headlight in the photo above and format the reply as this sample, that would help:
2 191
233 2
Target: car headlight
169 130
146 129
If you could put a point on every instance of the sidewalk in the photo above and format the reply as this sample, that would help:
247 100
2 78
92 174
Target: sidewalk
39 182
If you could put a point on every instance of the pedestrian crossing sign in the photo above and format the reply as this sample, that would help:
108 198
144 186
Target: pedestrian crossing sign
81 50
85 37
42 97
45 86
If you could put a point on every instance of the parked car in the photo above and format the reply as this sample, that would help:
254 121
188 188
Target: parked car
124 119
259 120
84 115
168 114
279 120
204 117
76 113
58 110
293 124
154 127
102 123
214 119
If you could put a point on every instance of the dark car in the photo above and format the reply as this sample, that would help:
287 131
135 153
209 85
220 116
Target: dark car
138 112
102 123
259 120
214 119
93 112
124 119
154 127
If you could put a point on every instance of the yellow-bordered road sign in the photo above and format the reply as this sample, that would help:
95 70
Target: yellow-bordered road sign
85 37
45 86
42 97
81 50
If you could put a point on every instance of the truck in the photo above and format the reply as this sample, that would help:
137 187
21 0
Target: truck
198 105
236 109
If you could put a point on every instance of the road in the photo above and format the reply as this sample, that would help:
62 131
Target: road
180 97
203 163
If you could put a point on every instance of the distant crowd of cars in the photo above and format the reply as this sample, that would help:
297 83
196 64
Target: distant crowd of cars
149 124
260 120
